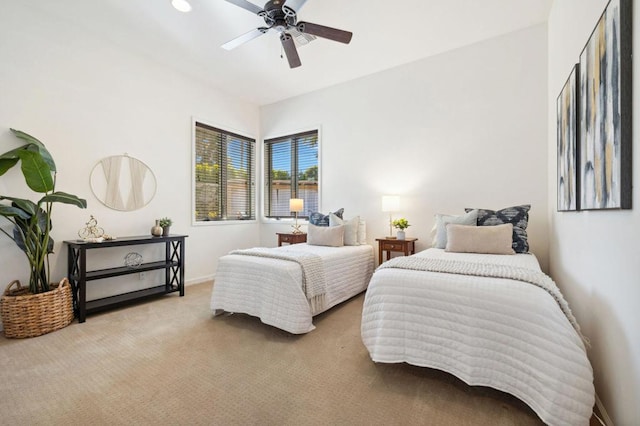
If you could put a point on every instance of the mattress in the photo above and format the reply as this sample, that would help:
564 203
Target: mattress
496 332
271 289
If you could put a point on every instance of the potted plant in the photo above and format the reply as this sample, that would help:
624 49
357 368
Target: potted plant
165 223
401 224
32 234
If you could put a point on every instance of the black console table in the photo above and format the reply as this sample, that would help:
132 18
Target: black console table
173 264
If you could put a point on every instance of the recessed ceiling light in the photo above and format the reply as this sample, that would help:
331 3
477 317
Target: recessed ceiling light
181 5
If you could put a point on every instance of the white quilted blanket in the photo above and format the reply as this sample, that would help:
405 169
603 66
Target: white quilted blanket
496 332
271 289
313 282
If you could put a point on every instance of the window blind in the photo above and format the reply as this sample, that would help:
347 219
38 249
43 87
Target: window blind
224 175
291 171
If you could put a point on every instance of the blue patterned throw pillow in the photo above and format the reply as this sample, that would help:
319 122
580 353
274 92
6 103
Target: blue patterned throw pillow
518 216
319 219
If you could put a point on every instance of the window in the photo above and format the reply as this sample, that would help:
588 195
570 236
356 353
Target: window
291 171
224 175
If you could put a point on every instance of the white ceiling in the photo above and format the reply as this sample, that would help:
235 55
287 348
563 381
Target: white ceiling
386 34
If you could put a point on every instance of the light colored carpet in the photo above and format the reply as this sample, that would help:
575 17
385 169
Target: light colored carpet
168 361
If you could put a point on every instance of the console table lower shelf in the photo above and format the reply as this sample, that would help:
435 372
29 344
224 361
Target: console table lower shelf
78 275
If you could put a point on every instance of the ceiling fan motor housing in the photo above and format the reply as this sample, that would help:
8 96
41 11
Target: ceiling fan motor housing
276 17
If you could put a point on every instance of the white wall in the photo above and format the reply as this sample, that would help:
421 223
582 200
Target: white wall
87 99
594 254
465 128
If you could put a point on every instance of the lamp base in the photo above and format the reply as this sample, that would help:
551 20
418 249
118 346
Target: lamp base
296 227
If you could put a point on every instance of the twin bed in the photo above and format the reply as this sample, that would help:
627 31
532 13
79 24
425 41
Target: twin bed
267 286
499 332
491 320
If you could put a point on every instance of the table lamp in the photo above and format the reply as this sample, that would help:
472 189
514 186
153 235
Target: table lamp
296 205
390 203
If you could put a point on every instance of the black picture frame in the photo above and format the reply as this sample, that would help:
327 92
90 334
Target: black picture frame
605 111
568 136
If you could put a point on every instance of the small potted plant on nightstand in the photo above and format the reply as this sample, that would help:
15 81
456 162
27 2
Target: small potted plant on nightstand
401 224
165 223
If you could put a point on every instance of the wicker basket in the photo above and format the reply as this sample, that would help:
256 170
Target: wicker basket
30 315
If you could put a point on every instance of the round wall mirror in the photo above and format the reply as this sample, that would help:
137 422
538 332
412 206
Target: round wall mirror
123 183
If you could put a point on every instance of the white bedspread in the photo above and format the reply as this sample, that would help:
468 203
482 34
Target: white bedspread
494 332
271 289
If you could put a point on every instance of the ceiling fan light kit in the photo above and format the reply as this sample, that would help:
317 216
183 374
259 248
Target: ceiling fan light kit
282 17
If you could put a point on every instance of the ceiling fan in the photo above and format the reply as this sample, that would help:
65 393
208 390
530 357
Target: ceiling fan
282 16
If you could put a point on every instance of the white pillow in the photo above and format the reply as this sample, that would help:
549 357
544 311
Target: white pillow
362 232
332 236
350 228
442 220
480 239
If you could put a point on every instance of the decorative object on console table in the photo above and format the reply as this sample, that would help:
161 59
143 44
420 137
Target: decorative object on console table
401 224
172 264
165 223
32 226
133 260
390 204
92 232
156 230
296 205
91 229
606 111
406 247
567 134
291 238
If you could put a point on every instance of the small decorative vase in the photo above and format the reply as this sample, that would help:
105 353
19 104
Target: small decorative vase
156 230
165 231
400 235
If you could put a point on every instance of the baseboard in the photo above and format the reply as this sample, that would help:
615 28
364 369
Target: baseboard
198 280
603 412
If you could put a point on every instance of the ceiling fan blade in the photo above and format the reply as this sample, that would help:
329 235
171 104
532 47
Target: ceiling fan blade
245 38
290 50
292 7
246 5
325 32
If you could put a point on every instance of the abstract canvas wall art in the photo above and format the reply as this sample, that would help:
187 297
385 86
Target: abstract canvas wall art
605 111
568 129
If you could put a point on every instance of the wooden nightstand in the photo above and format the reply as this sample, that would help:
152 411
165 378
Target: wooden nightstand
291 238
406 246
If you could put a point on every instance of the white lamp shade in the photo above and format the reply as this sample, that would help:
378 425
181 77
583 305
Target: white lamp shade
390 203
296 205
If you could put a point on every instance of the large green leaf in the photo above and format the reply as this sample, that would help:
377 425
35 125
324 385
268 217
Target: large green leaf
35 145
6 164
39 226
27 205
63 197
36 171
18 231
34 230
8 211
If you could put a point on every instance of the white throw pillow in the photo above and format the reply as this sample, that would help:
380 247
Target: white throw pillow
362 232
442 220
350 228
332 236
480 239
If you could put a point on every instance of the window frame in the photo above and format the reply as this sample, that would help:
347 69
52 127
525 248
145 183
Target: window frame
263 187
228 129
